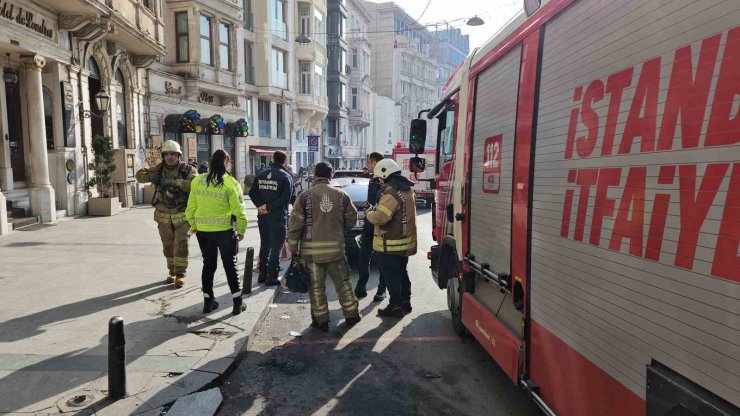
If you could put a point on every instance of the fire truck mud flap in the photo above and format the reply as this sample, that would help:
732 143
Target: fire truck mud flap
495 338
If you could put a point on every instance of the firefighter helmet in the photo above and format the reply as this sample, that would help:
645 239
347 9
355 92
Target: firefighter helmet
172 147
386 167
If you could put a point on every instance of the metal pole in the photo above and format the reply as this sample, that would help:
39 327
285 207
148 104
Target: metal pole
248 266
116 359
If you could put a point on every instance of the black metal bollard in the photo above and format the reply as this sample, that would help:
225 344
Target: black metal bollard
116 359
248 266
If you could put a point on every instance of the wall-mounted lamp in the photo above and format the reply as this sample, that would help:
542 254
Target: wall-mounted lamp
102 100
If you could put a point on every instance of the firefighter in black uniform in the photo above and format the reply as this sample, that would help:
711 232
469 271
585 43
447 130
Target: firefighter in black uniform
271 192
366 238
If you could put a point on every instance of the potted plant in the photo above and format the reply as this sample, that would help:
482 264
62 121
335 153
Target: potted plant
103 165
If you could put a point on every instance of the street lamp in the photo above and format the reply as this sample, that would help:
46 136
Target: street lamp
303 39
475 21
102 100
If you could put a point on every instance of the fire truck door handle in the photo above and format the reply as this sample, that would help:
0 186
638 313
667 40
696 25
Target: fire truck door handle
450 212
459 216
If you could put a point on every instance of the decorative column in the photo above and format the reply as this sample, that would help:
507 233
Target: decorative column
4 228
41 192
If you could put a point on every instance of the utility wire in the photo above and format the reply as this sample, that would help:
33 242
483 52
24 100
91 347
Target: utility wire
423 11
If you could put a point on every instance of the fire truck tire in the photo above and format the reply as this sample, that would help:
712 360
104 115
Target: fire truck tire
454 302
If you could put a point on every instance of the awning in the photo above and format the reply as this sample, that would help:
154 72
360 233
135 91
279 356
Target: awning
265 150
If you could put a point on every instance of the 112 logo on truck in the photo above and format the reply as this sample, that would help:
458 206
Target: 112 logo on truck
492 164
687 198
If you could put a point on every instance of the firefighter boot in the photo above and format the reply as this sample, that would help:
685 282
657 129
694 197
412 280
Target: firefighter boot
170 279
272 279
179 281
239 305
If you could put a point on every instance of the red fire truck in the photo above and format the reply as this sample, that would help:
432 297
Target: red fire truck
587 218
422 185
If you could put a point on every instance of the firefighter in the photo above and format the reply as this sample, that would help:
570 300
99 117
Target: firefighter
320 218
171 179
271 193
366 238
394 240
214 198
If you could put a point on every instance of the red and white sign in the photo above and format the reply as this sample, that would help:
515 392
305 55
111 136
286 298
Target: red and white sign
492 164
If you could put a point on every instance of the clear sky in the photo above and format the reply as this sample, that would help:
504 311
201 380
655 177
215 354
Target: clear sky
495 13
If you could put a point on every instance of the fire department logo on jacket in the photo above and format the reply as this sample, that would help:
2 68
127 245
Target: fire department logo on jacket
326 204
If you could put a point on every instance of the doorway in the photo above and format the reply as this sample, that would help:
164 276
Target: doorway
93 87
15 131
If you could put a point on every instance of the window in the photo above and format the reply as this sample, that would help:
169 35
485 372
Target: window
121 111
248 15
305 13
224 49
263 112
149 4
366 61
181 35
248 65
320 82
280 123
343 62
446 136
354 98
205 40
319 27
305 67
279 20
354 58
279 69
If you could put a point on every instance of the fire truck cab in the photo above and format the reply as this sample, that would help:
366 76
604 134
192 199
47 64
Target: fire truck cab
587 204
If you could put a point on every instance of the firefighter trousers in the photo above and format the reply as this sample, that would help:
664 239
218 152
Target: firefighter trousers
173 231
396 276
339 273
211 244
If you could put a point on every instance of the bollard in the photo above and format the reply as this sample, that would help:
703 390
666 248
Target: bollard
248 266
116 359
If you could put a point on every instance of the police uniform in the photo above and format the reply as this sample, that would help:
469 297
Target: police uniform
321 216
210 211
169 204
273 187
394 237
366 243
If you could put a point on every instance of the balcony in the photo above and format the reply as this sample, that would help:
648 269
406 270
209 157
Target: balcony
359 117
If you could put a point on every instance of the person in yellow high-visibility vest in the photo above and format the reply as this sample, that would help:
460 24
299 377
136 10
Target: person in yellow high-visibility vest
394 239
216 199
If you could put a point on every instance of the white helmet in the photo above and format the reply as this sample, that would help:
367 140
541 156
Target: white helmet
171 146
386 167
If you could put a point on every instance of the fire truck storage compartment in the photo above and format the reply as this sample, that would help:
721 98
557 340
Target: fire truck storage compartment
624 270
492 163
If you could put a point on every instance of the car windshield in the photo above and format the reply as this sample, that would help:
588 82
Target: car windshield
349 174
356 188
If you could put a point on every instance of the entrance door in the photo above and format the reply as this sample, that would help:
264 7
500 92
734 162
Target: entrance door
15 132
204 148
229 149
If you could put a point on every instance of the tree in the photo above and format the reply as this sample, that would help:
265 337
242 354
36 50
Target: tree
102 166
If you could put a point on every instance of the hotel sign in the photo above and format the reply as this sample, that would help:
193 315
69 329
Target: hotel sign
28 19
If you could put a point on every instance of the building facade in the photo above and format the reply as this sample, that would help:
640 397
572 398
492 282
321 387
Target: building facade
336 125
403 68
56 56
450 51
311 102
360 86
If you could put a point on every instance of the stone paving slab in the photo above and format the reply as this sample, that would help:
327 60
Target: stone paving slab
61 285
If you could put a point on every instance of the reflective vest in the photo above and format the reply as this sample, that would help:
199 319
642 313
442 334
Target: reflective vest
211 207
395 222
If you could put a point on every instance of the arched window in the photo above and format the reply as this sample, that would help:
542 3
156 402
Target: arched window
48 119
121 111
93 87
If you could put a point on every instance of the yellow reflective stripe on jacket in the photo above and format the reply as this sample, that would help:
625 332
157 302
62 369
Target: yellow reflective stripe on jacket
393 245
317 251
213 221
384 210
321 243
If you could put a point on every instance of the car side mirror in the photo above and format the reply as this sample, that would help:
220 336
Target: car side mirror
418 136
417 164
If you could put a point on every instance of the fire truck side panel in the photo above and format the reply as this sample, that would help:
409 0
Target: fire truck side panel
634 247
493 162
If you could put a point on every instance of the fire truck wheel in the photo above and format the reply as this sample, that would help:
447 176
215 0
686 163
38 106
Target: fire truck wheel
454 302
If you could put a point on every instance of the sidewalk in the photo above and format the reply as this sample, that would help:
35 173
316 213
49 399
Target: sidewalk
62 283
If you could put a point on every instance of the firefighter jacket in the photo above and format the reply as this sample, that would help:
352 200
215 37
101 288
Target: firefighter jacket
320 218
211 207
395 218
169 202
373 194
272 186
